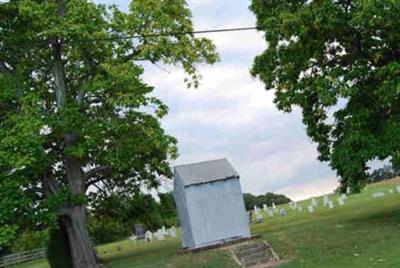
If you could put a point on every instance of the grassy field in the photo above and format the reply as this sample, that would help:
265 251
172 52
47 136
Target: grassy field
363 233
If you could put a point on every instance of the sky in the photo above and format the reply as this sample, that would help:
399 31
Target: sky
230 115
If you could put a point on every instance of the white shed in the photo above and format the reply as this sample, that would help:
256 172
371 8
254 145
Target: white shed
210 203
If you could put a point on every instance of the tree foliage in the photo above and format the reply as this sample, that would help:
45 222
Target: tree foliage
74 110
385 173
114 217
339 61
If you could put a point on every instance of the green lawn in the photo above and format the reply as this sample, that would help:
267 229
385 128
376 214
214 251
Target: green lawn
363 233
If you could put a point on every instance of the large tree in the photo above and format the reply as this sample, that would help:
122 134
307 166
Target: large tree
339 61
74 111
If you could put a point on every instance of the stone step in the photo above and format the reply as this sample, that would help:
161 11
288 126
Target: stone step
254 256
250 251
249 246
257 261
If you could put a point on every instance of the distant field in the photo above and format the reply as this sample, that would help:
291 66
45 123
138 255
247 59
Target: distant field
363 233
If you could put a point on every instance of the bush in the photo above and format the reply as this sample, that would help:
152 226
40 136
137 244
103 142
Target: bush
105 230
30 240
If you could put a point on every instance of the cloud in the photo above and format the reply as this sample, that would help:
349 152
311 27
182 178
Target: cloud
317 187
232 115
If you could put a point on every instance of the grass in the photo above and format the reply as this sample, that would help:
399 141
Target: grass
363 233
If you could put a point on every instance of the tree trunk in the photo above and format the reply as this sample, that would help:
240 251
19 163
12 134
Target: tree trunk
83 255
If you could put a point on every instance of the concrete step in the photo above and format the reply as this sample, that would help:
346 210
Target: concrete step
257 261
249 246
253 257
255 253
250 251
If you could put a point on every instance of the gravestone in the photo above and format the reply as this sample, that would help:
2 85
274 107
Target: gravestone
149 236
326 201
133 238
282 212
398 188
314 202
172 232
165 233
259 217
160 235
330 204
340 201
310 209
378 195
270 212
273 206
265 207
140 231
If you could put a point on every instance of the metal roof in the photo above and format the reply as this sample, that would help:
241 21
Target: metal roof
207 171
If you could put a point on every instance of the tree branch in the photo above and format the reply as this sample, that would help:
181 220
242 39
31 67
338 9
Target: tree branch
4 68
96 174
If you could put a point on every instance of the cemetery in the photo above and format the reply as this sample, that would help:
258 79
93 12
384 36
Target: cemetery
360 233
113 114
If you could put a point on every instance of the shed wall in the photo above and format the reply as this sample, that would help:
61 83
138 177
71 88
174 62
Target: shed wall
183 215
216 212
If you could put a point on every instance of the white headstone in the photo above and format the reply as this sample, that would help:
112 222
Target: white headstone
148 236
164 231
270 212
273 206
172 231
326 201
259 217
378 195
160 235
256 209
133 238
310 209
282 212
265 207
330 204
314 202
343 196
340 201
398 188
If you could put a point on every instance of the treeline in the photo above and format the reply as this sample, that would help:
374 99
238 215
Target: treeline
385 173
250 200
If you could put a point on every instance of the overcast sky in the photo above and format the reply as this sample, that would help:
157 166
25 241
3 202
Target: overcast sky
231 115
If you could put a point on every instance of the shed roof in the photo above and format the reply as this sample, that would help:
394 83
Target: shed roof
207 171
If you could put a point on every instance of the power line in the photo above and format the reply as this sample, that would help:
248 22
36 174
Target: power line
31 43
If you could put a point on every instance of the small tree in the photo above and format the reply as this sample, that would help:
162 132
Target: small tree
341 55
73 110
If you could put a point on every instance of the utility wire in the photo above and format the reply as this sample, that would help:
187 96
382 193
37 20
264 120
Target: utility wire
32 43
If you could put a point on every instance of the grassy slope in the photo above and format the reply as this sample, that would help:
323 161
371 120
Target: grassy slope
363 233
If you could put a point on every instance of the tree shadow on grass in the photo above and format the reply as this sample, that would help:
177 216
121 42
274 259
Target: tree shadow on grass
384 217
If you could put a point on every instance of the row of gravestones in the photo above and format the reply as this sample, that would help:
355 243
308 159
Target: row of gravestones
160 234
382 194
326 201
